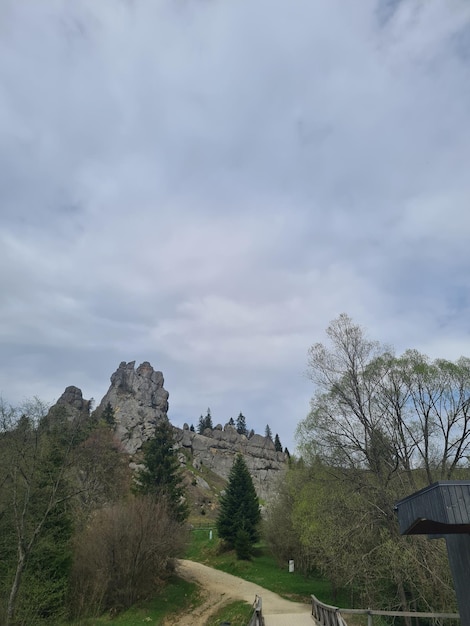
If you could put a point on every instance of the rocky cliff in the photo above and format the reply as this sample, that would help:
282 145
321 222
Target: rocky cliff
139 400
216 449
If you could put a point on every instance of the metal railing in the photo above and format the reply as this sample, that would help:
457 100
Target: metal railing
327 615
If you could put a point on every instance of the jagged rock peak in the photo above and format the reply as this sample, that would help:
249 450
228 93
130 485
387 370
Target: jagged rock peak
72 404
139 401
73 398
128 380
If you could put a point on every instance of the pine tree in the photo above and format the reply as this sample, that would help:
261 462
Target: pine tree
277 443
161 476
231 422
108 415
201 425
287 453
268 432
208 420
239 514
192 429
241 424
205 422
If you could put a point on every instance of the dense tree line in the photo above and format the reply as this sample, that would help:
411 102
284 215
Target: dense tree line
380 427
74 540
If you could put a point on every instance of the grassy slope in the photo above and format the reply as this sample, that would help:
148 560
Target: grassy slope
235 613
176 597
262 569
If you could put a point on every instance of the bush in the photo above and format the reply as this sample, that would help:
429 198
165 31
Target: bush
123 555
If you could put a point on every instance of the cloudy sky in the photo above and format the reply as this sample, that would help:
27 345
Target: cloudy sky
206 184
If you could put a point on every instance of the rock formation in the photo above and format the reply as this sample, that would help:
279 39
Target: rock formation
216 449
73 402
139 401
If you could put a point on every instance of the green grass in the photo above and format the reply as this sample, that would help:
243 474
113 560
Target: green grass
262 569
177 596
236 613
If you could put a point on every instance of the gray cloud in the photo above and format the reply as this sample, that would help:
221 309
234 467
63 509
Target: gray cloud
205 185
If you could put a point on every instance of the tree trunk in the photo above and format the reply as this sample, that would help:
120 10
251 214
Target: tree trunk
404 602
15 587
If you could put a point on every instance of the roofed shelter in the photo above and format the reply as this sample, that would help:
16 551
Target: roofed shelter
442 510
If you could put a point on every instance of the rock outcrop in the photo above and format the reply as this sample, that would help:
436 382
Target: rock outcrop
139 401
217 448
73 402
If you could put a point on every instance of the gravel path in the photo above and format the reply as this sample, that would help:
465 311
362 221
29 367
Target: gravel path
221 588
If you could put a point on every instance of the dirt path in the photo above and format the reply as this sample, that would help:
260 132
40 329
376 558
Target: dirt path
221 588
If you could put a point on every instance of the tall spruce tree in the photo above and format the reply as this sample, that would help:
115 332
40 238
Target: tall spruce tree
239 514
161 476
201 425
205 422
208 420
241 424
268 432
277 443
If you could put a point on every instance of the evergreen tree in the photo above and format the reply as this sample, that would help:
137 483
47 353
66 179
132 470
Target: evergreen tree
268 432
161 476
108 415
192 429
239 514
241 424
277 443
201 425
36 452
231 422
287 453
205 422
208 420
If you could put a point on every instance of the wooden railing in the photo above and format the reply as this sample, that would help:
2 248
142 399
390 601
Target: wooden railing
327 615
257 616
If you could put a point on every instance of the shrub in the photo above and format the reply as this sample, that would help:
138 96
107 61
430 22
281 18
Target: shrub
124 554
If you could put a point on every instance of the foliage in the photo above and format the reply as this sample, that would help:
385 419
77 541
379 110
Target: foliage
241 424
36 450
277 443
59 478
108 415
380 428
239 509
123 554
205 422
100 473
161 475
268 432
